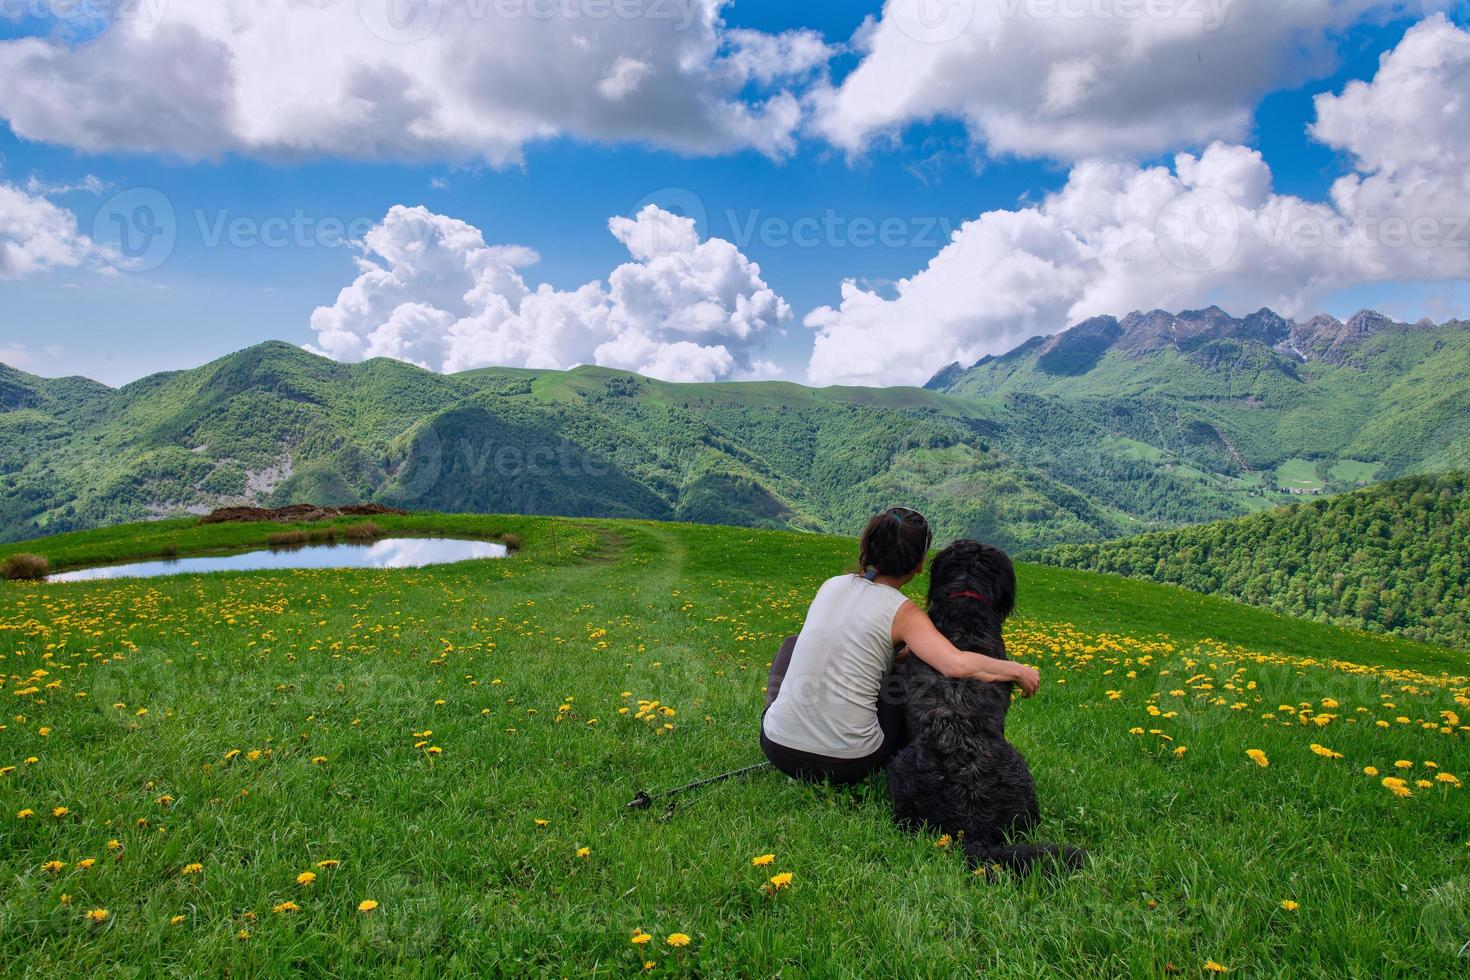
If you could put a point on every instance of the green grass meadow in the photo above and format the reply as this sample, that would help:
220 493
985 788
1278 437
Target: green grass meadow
457 746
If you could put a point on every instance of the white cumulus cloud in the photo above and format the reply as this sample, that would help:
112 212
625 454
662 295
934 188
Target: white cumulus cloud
434 79
37 235
1076 79
1119 237
431 291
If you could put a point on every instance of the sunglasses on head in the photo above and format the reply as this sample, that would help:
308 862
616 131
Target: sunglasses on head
902 514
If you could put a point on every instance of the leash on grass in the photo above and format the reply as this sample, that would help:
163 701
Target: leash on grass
644 800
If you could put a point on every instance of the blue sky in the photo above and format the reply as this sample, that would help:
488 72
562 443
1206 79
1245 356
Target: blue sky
206 300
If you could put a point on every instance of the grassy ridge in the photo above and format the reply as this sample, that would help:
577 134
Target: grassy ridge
256 725
1390 558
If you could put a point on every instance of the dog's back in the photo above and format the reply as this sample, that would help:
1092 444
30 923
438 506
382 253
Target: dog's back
958 774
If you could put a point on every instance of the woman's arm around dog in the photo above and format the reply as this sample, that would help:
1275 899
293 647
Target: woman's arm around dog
912 627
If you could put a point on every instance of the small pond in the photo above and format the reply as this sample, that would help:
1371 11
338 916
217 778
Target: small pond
388 553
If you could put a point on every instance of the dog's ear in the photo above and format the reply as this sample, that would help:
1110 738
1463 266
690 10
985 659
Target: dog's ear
942 574
1000 575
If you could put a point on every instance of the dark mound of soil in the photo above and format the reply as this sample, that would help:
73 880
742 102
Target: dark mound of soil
296 514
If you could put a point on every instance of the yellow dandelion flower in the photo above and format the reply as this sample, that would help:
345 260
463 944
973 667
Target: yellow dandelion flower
284 907
1397 787
1258 757
1447 778
86 863
763 860
583 852
1212 967
944 841
329 863
114 845
640 938
306 878
59 811
367 905
1403 764
678 940
1289 905
176 920
1370 770
54 866
99 915
25 814
780 881
193 869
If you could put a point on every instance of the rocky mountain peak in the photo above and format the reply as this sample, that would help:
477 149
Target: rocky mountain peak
1328 339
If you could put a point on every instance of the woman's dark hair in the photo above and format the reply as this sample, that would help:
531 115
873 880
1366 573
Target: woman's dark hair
895 542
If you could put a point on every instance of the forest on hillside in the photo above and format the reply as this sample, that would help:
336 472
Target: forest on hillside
1390 558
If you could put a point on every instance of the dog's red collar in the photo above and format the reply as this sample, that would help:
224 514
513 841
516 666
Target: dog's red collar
969 594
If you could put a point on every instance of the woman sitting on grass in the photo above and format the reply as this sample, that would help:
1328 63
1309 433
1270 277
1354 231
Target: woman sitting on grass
826 717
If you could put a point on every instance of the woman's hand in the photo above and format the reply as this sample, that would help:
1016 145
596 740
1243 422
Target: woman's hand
1028 679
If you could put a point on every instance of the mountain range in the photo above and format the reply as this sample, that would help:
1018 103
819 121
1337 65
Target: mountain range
1110 428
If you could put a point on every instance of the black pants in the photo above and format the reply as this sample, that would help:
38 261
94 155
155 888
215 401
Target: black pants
818 768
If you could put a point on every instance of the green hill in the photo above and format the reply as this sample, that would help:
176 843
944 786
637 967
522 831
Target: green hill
275 424
446 742
1391 558
1110 429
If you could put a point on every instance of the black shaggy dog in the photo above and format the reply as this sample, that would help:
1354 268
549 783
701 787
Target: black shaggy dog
958 774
